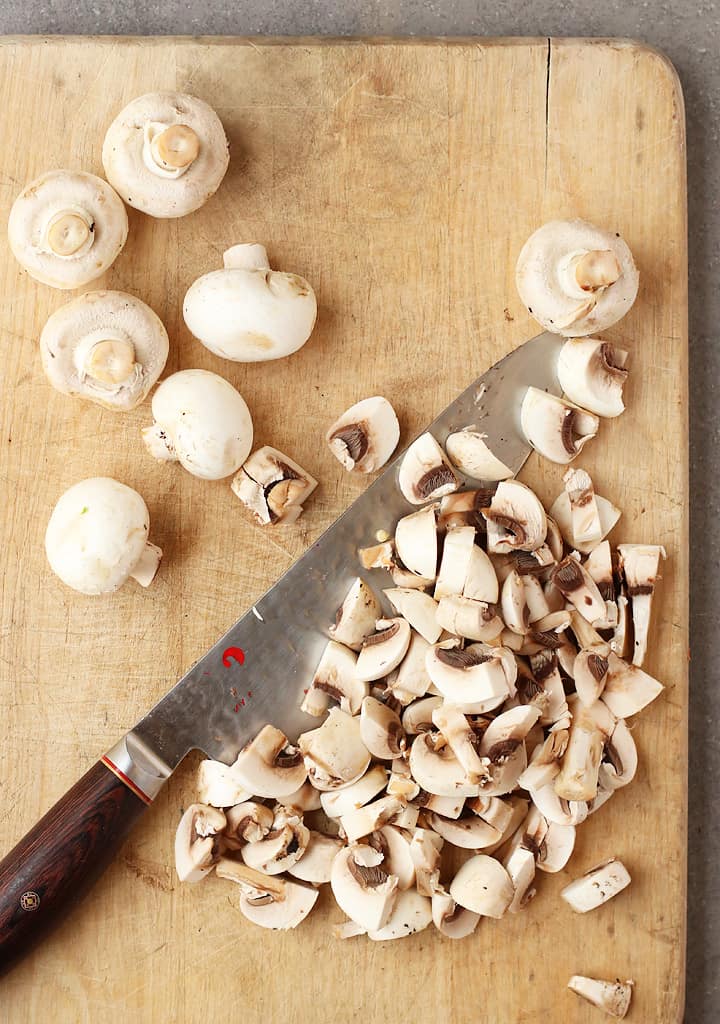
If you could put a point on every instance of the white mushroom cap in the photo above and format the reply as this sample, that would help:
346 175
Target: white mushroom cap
268 766
334 754
590 676
280 915
596 886
469 833
315 865
418 608
481 583
561 513
106 347
515 519
165 153
362 887
483 885
97 536
469 451
218 786
201 421
416 542
356 617
196 844
555 427
412 913
66 228
272 486
425 471
383 650
611 996
557 810
365 436
451 920
592 373
335 679
337 802
249 313
576 279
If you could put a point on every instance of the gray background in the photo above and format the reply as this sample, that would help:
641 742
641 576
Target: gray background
690 34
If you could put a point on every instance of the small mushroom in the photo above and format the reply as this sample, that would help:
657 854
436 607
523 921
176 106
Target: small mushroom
337 802
218 786
280 915
197 847
416 542
586 525
334 754
269 766
418 608
272 486
106 347
577 585
589 731
561 512
425 471
315 865
455 563
596 886
335 679
575 278
412 913
365 436
97 537
592 373
200 421
362 887
483 886
247 822
628 689
412 679
383 650
66 228
556 428
247 312
165 153
613 997
462 739
515 519
356 617
358 823
451 920
471 455
474 620
640 565
436 769
620 760
474 676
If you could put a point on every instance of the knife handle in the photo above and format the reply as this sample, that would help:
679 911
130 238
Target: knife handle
45 875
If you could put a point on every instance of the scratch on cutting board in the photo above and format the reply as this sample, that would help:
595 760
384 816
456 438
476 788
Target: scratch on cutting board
157 876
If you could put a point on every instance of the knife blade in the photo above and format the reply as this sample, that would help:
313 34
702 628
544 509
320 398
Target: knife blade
254 674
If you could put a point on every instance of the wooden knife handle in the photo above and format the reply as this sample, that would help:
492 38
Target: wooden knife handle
44 876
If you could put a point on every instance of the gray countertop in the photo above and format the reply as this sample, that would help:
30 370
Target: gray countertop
689 32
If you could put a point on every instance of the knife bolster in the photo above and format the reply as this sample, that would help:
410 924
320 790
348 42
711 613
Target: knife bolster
137 766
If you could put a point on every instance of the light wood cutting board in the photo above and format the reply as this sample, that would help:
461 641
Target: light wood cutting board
401 179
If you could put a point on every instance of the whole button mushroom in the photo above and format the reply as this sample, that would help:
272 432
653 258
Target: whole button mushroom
202 422
97 537
575 278
105 347
248 312
166 153
66 228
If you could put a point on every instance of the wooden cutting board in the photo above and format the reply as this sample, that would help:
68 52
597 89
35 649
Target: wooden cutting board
401 179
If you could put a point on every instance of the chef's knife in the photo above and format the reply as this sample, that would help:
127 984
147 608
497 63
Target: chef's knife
254 674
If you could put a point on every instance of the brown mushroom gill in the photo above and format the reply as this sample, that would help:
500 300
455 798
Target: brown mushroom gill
502 750
367 877
568 576
547 639
288 758
511 526
526 564
354 437
597 666
606 355
456 658
433 479
569 433
382 636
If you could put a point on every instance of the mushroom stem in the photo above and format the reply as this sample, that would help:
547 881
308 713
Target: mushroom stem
158 443
247 256
176 147
111 360
69 232
598 268
147 565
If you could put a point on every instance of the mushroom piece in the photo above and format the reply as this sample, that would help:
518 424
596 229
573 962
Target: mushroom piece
247 822
640 565
462 739
455 562
97 537
561 512
338 802
628 689
481 583
493 810
315 865
197 847
556 809
556 846
200 421
620 760
502 744
269 766
475 677
515 519
588 639
335 679
361 821
378 556
585 517
436 769
596 886
362 887
281 847
577 585
452 921
66 228
464 508
280 915
537 606
383 650
514 605
394 845
381 730
365 436
425 471
272 486
416 542
401 782
474 620
356 617
613 997
447 806
418 608
599 564
483 886
575 278
590 728
253 883
554 427
425 849
412 679
592 373
334 754
418 716
468 833
412 913
165 153
471 455
218 786
519 810
519 862
590 676
620 641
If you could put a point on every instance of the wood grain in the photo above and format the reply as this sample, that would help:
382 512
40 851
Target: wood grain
401 180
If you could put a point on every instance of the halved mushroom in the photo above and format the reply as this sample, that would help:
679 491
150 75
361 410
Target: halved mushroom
425 472
418 608
575 278
589 731
383 650
474 620
585 517
628 689
200 421
412 913
337 802
97 537
365 436
358 823
469 452
362 887
613 997
469 833
418 716
197 847
335 679
447 806
620 760
552 844
425 849
436 769
592 373
217 785
334 754
381 730
464 508
561 512
272 486
165 153
577 585
554 427
476 677
66 228
282 847
483 886
515 519
597 886
247 822
452 921
356 617
493 810
280 914
269 766
412 680
106 347
640 565
502 744
463 740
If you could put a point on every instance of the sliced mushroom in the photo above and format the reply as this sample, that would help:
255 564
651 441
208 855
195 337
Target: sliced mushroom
425 849
600 567
640 565
554 427
613 997
358 823
493 811
380 730
502 744
378 556
412 679
545 761
481 583
418 716
362 887
561 512
280 915
587 638
556 847
620 760
462 739
334 754
575 278
447 806
412 913
519 862
269 766
254 884
272 486
469 452
394 844
401 782
418 608
556 809
356 617
515 519
519 810
574 581
590 676
464 508
592 373
474 620
282 847
620 642
416 542
436 769
469 833
513 602
589 731
247 822
365 436
597 886
483 886
628 689
383 650
217 785
586 525
335 679
455 563
475 677
425 471
451 920
197 847
337 802
538 608
545 671
66 228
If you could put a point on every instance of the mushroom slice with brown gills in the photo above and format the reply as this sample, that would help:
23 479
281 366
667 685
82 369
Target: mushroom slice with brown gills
544 764
269 766
464 508
425 471
620 760
597 886
556 809
613 997
462 739
592 373
577 585
561 513
474 620
587 639
469 451
335 679
481 583
337 802
640 564
412 680
197 846
362 887
416 542
436 769
474 677
483 886
425 850
418 716
600 567
515 519
272 486
554 427
467 833
451 920
356 617
217 785
383 650
315 865
412 913
503 745
365 436
628 689
590 676
514 605
248 822
381 730
252 882
552 844
586 525
267 911
334 754
281 847
455 562
589 730
418 608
